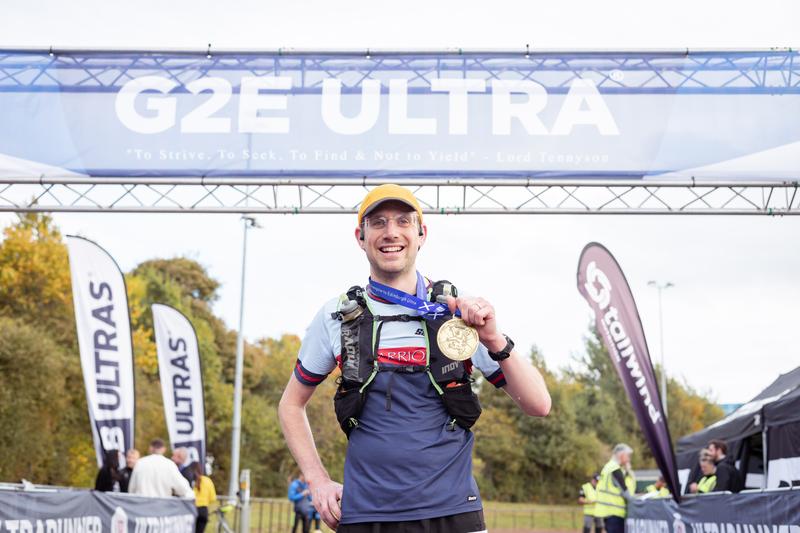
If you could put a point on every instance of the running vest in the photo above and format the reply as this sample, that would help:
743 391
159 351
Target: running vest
609 496
707 484
360 340
589 494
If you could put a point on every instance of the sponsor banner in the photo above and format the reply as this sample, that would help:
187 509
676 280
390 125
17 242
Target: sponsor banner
104 339
602 283
181 381
763 512
708 115
93 512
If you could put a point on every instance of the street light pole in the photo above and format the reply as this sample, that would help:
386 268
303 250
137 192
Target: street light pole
236 433
661 287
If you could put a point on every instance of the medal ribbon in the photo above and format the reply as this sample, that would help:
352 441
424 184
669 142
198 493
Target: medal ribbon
427 310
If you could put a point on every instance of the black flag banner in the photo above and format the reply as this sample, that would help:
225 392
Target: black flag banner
602 283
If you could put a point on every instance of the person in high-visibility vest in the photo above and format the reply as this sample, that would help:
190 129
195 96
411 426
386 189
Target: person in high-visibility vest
588 498
708 483
612 490
658 489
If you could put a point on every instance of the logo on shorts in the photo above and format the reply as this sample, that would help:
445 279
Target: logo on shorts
471 498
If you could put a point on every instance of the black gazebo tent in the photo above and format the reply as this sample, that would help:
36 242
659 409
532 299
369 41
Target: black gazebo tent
764 430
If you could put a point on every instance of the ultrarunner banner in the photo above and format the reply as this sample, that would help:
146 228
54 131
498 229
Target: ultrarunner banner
602 283
767 512
662 115
104 339
94 512
181 380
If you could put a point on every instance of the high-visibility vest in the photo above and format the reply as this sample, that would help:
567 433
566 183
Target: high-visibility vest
590 495
707 483
663 492
609 497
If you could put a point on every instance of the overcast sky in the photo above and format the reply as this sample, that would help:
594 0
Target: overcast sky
730 322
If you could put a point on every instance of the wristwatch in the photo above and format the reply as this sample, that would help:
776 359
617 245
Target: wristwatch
505 352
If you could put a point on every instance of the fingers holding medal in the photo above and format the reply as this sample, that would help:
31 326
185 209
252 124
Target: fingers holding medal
474 311
458 338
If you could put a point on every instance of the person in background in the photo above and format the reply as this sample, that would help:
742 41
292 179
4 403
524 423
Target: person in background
630 477
204 495
612 490
109 478
299 496
180 456
157 476
707 483
658 489
588 498
131 456
728 476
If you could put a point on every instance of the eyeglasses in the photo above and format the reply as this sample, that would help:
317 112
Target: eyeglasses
404 220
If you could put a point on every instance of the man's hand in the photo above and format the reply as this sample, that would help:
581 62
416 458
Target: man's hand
325 497
479 314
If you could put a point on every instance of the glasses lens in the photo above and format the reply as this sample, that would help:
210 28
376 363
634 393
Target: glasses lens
404 220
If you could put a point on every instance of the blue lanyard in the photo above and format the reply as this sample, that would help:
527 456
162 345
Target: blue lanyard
427 310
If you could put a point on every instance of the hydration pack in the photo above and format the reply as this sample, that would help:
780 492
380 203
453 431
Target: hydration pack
360 339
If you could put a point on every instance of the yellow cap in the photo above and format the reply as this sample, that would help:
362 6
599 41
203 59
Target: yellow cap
384 193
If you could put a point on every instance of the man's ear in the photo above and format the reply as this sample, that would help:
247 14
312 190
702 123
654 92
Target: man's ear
359 234
423 235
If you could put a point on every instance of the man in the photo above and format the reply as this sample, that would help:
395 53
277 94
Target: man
405 406
157 476
728 476
588 498
612 490
131 457
180 457
658 489
707 483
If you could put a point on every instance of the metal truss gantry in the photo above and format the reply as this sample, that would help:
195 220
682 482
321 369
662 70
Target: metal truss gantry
469 196
614 72
773 71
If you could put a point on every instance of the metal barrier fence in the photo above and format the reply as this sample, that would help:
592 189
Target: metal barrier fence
276 515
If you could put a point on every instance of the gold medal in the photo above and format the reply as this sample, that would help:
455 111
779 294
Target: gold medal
457 340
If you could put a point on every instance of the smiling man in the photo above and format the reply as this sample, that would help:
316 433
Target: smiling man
404 399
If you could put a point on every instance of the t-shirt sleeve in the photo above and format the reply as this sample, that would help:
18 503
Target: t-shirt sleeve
489 367
320 346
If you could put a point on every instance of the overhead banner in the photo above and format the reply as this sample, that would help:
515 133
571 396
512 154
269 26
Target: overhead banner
93 512
181 381
765 512
602 283
711 115
104 339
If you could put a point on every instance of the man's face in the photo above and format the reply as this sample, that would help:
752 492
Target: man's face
715 452
391 250
178 457
707 467
131 457
624 458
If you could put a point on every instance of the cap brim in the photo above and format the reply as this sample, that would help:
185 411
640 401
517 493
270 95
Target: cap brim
375 205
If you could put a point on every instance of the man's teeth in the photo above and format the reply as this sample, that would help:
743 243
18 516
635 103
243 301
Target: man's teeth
391 248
